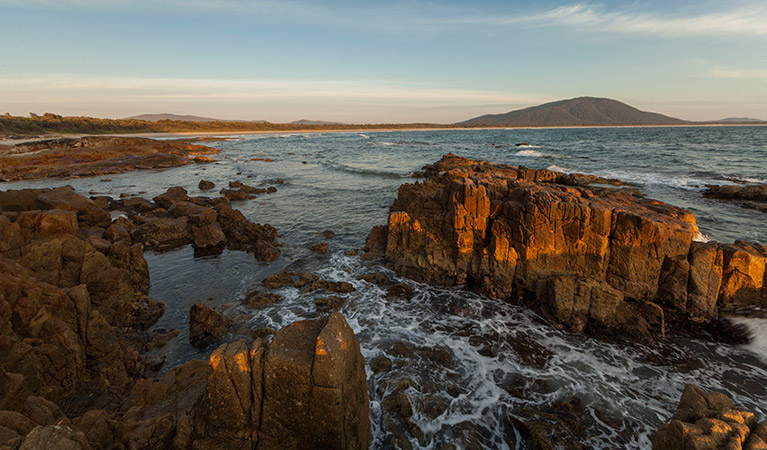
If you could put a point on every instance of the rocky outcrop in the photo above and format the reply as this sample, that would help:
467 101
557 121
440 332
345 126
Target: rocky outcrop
209 224
90 156
751 195
710 420
306 389
73 373
588 253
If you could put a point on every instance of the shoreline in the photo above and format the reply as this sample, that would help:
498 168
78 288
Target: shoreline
8 141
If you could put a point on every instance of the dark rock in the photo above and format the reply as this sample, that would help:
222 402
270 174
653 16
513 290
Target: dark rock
271 190
380 364
206 322
258 299
341 287
328 234
322 248
328 304
205 185
400 291
376 277
171 196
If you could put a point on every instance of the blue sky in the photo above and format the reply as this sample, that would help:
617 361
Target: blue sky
365 61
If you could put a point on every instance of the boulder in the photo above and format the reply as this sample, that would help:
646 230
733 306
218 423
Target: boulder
304 390
171 196
67 199
709 420
208 236
206 185
205 322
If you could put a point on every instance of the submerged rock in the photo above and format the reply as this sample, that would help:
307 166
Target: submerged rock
591 258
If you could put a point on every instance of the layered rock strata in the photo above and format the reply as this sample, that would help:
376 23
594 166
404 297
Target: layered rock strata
710 420
587 252
97 155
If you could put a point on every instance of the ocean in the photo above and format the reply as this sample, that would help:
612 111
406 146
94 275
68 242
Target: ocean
473 363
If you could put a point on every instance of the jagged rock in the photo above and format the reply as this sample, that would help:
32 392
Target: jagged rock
376 277
340 287
208 236
205 322
235 195
594 259
206 185
321 248
295 279
55 437
400 290
380 364
327 304
258 299
304 390
709 420
164 233
67 199
171 196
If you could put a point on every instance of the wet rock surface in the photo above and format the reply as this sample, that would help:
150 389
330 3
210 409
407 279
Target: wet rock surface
91 156
751 195
74 373
588 255
710 420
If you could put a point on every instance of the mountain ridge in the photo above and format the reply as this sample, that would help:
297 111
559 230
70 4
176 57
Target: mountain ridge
582 111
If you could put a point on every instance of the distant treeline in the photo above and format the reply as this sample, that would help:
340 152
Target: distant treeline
38 125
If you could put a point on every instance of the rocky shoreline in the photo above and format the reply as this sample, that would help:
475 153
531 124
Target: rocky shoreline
98 155
74 372
591 255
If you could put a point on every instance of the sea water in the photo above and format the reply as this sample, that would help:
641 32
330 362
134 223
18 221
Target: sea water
492 358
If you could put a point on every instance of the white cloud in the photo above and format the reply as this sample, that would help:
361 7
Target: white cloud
750 20
741 74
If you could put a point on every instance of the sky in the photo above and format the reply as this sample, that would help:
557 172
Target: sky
379 61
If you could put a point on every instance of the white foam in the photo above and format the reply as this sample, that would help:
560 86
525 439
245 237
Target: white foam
557 168
700 237
758 333
531 154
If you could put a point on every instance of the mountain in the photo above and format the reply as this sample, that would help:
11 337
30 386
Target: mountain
739 120
576 111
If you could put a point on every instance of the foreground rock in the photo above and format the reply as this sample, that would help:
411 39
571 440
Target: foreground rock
90 156
73 373
709 420
590 257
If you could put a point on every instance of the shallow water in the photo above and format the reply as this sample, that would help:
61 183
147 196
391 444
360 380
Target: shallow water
476 361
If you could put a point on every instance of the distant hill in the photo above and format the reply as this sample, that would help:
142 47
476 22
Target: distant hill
576 111
313 122
166 116
184 118
739 120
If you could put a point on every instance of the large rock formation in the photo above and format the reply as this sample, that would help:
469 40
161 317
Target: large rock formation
587 252
709 420
73 373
